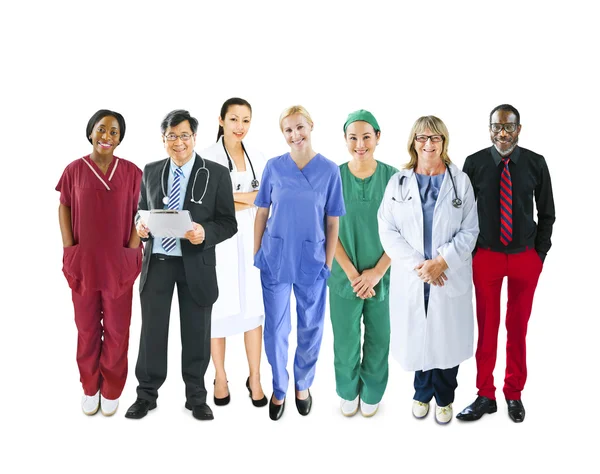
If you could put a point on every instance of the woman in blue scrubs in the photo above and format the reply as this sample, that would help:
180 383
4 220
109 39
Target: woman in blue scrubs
294 248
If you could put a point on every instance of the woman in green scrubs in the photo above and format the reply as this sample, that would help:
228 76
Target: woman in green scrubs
360 277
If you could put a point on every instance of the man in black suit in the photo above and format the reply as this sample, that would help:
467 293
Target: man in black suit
183 181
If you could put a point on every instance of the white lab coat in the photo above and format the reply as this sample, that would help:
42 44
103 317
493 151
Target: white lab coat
239 307
444 337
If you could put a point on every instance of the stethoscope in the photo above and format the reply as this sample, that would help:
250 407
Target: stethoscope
199 201
254 183
456 202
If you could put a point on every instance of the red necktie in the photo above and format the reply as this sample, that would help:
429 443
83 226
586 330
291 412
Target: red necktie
506 224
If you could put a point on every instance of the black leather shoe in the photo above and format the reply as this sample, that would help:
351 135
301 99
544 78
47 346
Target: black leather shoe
516 410
140 409
222 401
200 412
477 409
305 405
257 403
275 411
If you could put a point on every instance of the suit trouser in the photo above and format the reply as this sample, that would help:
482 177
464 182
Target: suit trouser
369 378
438 383
489 269
156 297
310 309
102 341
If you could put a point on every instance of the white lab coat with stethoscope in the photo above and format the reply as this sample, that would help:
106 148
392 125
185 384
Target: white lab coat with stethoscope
443 337
239 307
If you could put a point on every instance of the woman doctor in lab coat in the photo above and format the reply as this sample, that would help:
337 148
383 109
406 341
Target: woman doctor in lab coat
240 306
428 226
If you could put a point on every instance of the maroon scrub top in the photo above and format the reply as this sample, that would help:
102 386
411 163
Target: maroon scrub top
101 221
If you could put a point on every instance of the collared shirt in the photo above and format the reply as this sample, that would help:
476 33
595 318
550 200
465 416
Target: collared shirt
186 170
530 178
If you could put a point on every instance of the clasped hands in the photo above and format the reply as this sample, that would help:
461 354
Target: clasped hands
195 236
364 283
432 271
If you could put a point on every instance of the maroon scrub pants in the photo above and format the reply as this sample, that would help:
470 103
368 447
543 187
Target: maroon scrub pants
522 271
103 338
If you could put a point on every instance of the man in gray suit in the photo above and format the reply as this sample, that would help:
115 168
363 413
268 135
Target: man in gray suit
183 181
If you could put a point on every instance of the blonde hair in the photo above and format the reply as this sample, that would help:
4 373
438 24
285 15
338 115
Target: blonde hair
294 109
438 128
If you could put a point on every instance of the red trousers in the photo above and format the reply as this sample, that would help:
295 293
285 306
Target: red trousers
102 342
522 271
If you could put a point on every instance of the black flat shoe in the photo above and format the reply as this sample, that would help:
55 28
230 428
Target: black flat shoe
140 409
222 401
516 410
275 411
480 407
257 403
305 405
200 412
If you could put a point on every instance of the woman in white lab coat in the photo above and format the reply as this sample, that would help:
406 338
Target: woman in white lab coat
428 226
240 305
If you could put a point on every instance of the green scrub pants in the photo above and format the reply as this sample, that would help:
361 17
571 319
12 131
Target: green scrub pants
353 377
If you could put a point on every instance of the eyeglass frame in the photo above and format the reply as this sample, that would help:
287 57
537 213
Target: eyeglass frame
171 137
503 127
429 137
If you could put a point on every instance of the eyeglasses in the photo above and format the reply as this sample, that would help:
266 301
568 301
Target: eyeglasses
171 137
508 127
433 138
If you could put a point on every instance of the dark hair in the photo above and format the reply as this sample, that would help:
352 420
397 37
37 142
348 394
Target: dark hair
225 108
175 117
99 116
507 108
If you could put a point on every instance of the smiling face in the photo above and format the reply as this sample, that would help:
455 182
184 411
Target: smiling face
106 135
361 140
236 122
505 142
180 150
296 130
431 149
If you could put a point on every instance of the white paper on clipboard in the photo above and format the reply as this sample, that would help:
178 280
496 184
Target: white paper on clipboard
167 223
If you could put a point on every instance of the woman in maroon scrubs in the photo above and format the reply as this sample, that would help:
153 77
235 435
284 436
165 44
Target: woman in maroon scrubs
102 258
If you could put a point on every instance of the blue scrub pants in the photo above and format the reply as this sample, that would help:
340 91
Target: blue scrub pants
310 309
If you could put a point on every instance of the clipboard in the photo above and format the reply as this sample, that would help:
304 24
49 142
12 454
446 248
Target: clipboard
167 222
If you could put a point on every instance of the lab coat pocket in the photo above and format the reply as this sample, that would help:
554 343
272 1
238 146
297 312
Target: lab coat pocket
131 265
72 266
312 259
459 281
272 251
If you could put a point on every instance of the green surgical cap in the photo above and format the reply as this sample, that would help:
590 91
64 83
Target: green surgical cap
362 116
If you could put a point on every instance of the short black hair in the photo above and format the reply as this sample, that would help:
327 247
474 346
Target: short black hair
507 108
99 116
225 107
175 117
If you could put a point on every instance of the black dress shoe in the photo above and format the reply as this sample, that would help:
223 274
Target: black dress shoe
140 409
275 411
200 412
477 409
516 410
257 403
305 405
222 401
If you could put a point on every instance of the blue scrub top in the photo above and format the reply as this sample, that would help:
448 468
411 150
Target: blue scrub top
293 246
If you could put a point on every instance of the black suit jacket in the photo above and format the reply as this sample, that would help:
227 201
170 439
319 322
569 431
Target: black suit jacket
216 214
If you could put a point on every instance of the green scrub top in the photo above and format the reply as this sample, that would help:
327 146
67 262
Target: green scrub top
359 232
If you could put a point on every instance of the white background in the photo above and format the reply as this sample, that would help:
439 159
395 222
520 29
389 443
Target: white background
63 61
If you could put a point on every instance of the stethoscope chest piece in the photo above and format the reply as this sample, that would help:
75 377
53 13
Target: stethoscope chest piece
165 200
456 202
254 184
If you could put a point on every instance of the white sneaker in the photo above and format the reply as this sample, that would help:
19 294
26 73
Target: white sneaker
443 415
90 404
368 410
349 407
108 407
420 409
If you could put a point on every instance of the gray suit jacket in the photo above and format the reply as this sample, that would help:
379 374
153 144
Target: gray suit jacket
216 214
